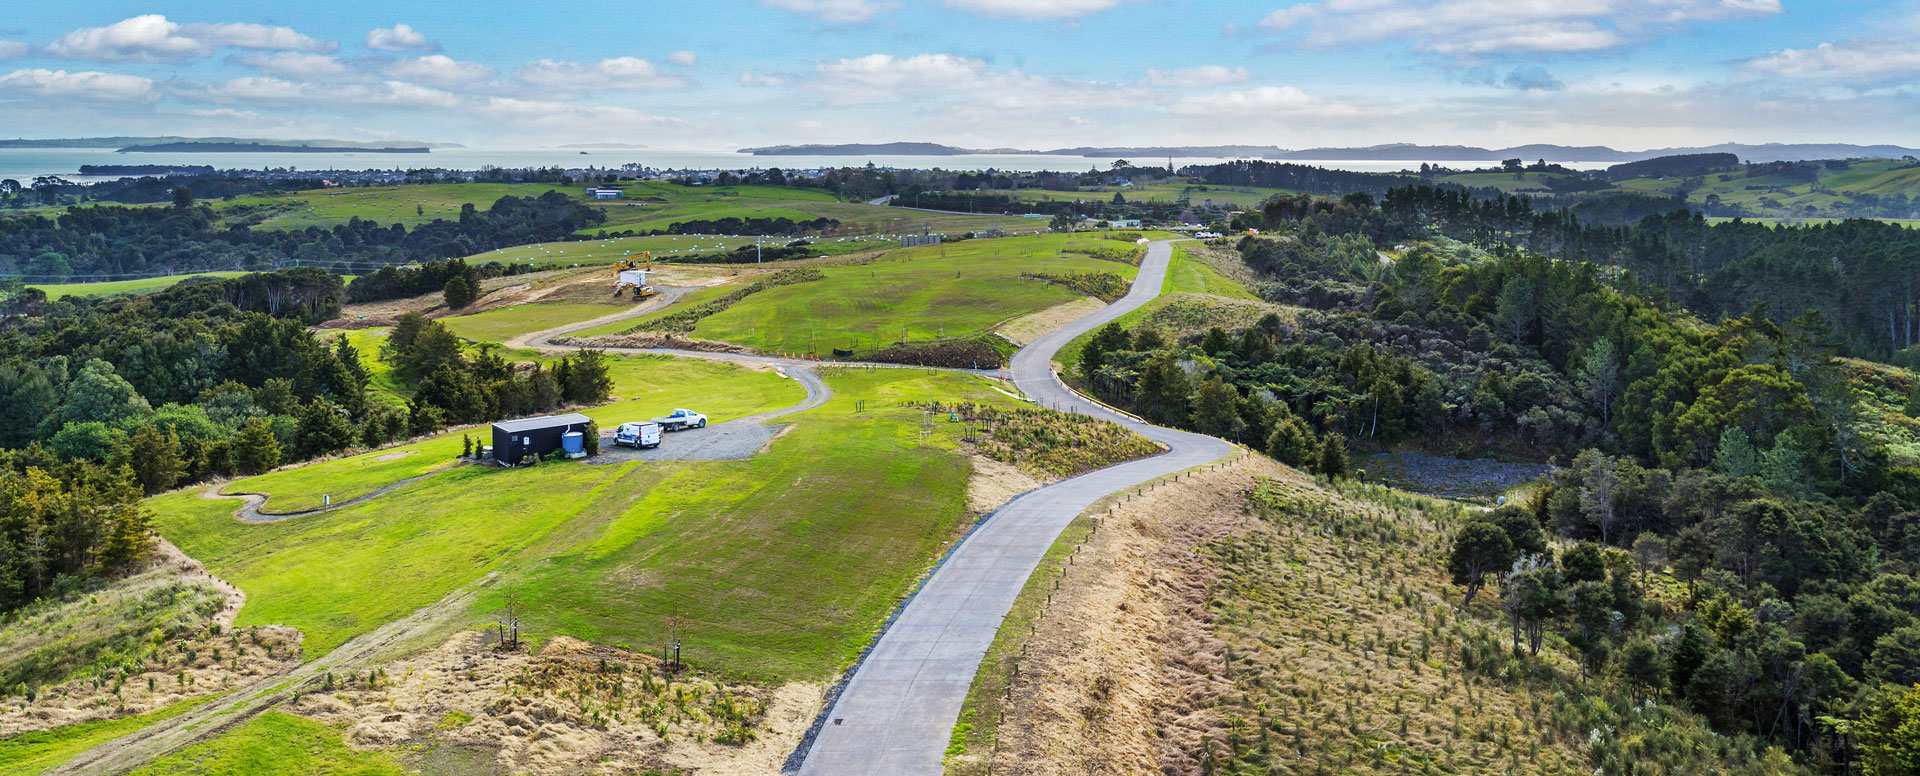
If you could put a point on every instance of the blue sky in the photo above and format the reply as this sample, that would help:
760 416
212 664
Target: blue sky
978 73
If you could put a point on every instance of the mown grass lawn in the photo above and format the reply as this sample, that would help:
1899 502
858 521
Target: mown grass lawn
500 325
276 742
1237 196
783 565
143 285
36 752
410 205
338 574
644 387
921 294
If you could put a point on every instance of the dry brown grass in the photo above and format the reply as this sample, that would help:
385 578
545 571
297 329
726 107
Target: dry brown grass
1029 327
573 708
1250 621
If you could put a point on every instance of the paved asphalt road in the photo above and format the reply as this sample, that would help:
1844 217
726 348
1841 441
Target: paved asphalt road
896 714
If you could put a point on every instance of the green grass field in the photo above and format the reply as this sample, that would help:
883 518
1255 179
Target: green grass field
143 285
275 742
784 563
668 247
37 752
502 324
1234 196
1777 197
916 295
1532 183
644 386
1187 278
409 205
647 206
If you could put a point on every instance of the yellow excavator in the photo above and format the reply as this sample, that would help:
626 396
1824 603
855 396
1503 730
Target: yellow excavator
630 273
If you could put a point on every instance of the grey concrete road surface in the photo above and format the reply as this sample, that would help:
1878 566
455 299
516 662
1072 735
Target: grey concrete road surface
896 713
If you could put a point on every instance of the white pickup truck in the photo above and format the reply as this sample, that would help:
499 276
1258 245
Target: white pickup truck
682 419
637 435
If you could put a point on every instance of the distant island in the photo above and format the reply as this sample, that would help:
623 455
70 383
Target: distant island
265 148
146 169
876 149
127 141
1408 152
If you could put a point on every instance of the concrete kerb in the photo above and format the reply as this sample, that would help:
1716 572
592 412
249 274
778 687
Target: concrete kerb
799 755
1103 504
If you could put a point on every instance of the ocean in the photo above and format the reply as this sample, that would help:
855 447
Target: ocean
24 164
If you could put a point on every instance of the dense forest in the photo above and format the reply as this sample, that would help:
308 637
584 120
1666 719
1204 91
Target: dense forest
106 399
1863 276
1733 455
111 240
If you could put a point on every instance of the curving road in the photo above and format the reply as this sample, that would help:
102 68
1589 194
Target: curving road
896 713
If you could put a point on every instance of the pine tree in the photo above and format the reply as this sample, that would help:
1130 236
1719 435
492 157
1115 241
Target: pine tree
1333 456
156 459
459 291
1216 409
587 379
254 449
1292 443
1735 456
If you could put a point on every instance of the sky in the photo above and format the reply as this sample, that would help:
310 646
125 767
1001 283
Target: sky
1029 74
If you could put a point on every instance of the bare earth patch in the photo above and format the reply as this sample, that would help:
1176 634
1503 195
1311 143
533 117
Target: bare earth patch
396 455
184 657
1095 691
1027 328
649 340
994 483
573 708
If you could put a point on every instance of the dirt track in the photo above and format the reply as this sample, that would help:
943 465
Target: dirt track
141 747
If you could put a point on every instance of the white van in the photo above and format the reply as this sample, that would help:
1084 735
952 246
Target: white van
638 435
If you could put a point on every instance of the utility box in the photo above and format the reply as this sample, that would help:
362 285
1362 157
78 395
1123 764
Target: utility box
514 440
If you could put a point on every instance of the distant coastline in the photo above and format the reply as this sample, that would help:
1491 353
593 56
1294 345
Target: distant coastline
262 148
127 141
146 169
1408 152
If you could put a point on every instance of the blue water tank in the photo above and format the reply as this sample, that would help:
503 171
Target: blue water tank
574 443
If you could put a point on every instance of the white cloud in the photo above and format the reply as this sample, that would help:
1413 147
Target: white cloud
89 84
683 58
152 38
12 49
1869 59
248 90
400 37
883 78
438 70
1468 28
406 95
836 11
1033 9
1272 102
620 74
751 78
1195 77
296 64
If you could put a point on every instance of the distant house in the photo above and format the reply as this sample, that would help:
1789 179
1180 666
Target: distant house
604 192
1125 223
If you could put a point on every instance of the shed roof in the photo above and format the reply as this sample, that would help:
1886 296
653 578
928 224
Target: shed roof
549 421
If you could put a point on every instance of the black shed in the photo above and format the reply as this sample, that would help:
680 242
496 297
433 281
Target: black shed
515 439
